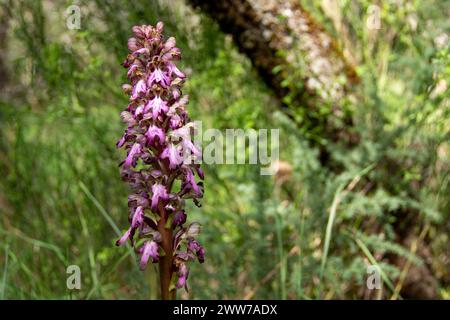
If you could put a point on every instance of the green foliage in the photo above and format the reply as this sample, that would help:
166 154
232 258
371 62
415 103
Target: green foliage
62 201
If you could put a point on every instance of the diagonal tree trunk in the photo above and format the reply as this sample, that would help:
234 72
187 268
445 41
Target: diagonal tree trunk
280 37
264 29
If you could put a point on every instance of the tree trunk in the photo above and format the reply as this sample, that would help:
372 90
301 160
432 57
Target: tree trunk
293 55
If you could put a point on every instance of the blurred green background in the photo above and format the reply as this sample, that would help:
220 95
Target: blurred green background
62 201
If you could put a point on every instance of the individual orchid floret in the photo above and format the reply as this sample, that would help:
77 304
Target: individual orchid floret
183 272
149 249
159 194
173 154
156 106
133 154
154 134
160 77
139 89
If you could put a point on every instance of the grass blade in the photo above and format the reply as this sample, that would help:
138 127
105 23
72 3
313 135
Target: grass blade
100 208
340 193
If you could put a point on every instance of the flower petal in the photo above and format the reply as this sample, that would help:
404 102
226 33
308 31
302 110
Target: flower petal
155 132
179 219
183 273
150 249
124 238
135 151
159 193
172 153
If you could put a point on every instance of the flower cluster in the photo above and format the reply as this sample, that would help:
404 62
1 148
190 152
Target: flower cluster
160 151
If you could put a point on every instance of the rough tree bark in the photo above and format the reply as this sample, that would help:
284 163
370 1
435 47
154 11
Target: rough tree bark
280 34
